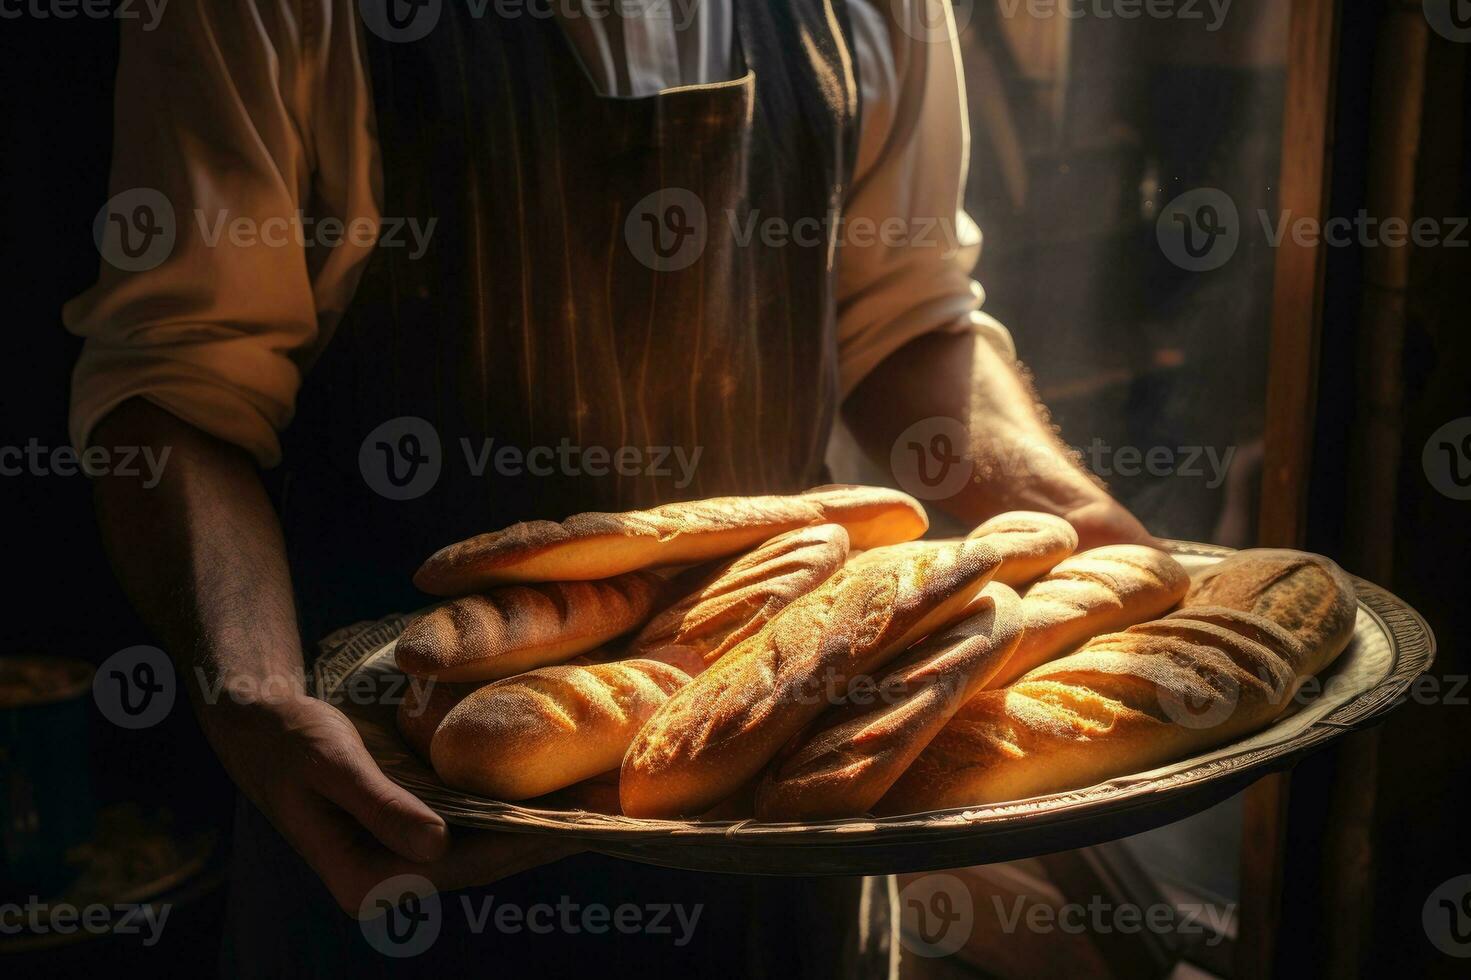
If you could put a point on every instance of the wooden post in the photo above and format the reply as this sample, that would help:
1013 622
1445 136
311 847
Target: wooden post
1291 400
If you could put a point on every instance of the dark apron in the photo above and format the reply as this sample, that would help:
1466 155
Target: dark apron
544 314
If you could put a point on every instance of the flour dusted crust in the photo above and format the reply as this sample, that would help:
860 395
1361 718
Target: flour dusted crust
517 628
846 760
1306 594
740 597
550 728
1098 591
599 545
1029 543
719 732
1126 702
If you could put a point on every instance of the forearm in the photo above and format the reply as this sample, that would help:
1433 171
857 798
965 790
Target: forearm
202 558
1018 461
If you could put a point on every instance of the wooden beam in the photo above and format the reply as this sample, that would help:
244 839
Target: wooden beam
1291 399
1297 290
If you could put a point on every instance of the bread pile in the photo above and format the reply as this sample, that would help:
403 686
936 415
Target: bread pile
807 657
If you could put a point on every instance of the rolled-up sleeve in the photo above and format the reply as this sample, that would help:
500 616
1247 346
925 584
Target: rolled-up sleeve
212 102
907 248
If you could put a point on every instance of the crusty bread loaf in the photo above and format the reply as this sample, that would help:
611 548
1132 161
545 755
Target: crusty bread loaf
842 763
1124 703
1306 594
738 598
550 728
1099 591
1028 542
424 705
520 627
598 545
720 731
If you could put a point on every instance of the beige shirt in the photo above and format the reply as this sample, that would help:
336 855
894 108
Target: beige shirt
254 120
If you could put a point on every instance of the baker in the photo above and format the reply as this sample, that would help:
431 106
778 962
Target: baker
705 228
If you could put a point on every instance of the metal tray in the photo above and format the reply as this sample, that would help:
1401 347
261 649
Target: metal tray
1391 647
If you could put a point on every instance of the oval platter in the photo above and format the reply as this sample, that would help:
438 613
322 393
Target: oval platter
1392 645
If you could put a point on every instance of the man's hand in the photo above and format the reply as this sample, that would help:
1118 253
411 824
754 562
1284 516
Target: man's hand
201 556
1022 463
1106 521
303 764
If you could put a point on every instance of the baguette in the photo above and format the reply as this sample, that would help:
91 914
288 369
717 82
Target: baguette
738 598
1029 543
722 729
530 735
1309 595
1099 591
598 545
1125 703
514 629
850 756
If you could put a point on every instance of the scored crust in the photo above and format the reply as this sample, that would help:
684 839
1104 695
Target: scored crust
1305 593
517 628
598 545
849 757
737 599
550 728
1098 591
1125 703
719 731
1029 543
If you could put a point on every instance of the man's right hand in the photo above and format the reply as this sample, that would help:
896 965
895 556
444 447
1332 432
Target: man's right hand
202 558
303 764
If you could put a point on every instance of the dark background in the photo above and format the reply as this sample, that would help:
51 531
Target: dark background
60 598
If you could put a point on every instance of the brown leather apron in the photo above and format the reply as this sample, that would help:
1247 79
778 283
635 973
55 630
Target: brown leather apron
613 288
602 276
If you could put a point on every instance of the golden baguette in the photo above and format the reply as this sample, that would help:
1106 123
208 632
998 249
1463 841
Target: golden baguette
514 629
1028 542
738 598
550 728
1304 593
846 760
1125 703
597 545
719 732
1098 591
